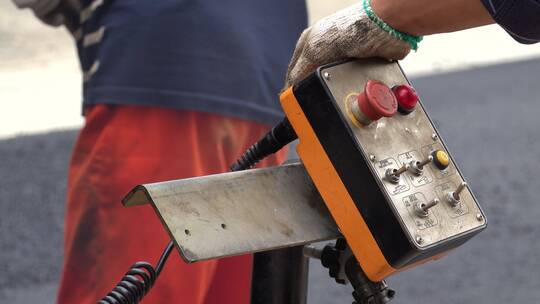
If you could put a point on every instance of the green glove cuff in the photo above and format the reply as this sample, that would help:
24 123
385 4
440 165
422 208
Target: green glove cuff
412 40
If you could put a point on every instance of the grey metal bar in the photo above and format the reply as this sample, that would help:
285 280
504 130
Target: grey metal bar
239 212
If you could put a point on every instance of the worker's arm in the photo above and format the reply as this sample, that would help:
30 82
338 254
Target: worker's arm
425 17
391 28
521 18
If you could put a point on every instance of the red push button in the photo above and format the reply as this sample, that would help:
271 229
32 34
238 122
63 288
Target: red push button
375 102
406 98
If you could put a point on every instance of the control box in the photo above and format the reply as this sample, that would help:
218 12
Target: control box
380 165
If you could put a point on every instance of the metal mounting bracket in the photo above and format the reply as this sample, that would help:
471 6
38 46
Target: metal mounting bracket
236 213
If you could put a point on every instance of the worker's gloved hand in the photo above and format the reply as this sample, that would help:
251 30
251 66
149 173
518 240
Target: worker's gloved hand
348 33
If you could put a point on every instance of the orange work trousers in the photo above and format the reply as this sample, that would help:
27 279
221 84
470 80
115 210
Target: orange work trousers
119 148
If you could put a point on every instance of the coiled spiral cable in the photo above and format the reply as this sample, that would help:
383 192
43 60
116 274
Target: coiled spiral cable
141 276
137 281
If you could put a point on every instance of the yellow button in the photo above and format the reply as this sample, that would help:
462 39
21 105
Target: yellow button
441 159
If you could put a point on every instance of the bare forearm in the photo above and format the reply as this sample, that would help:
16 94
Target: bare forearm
425 17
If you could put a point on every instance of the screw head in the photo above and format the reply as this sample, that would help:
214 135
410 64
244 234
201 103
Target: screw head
419 239
479 217
372 157
326 75
434 136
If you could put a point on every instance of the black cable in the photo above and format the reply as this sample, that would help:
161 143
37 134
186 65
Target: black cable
164 257
278 137
137 281
141 276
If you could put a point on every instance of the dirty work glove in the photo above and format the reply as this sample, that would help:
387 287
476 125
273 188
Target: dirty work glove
349 33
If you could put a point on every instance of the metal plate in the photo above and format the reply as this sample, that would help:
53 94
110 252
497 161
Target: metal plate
398 140
239 212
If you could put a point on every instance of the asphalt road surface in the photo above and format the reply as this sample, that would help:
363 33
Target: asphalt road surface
490 120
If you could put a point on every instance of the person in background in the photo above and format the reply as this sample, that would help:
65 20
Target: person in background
171 89
180 88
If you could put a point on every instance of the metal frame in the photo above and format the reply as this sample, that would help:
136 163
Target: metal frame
218 215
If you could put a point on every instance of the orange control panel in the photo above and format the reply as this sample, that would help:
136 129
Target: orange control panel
380 165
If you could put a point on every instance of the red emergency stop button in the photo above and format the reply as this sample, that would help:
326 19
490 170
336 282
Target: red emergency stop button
375 102
406 98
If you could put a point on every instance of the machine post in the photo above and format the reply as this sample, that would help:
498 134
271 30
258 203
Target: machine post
280 277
